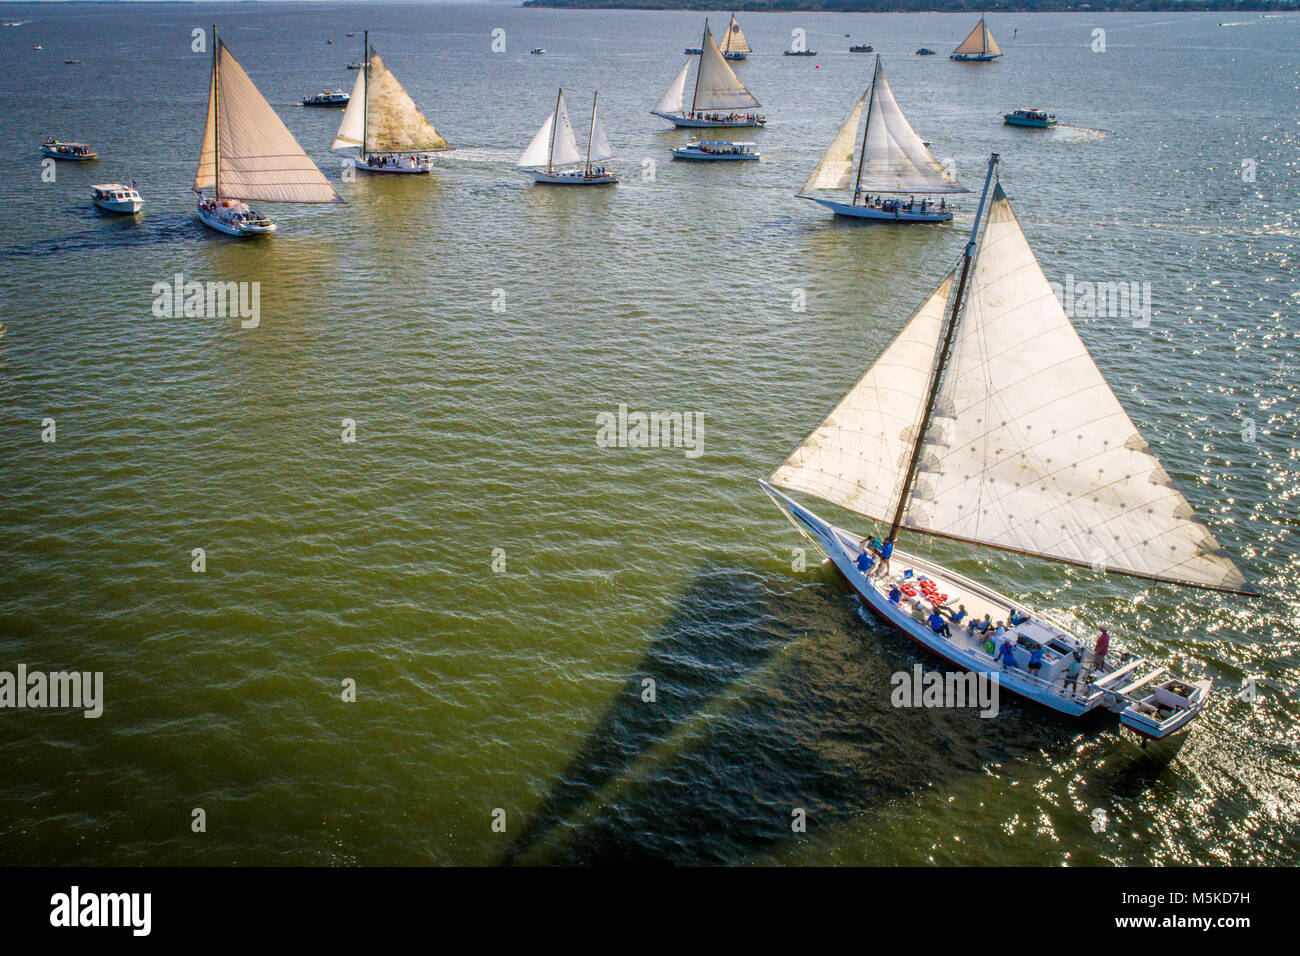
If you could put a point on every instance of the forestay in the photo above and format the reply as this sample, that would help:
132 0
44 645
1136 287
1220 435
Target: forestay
248 153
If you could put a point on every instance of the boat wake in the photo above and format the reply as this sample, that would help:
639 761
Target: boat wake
1077 134
482 155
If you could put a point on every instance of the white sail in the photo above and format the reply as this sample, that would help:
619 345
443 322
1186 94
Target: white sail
675 95
857 457
894 159
539 150
716 85
979 42
382 112
600 147
564 149
734 41
836 166
248 153
1029 449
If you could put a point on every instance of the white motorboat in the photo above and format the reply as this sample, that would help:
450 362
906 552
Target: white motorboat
115 197
248 155
382 129
1059 472
711 151
553 157
327 98
719 100
893 163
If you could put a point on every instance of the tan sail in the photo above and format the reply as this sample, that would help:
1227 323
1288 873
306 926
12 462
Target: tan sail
382 114
857 457
716 85
836 166
979 42
734 41
248 153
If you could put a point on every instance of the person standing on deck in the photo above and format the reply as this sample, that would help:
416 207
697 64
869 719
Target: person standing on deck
1007 654
1099 651
886 552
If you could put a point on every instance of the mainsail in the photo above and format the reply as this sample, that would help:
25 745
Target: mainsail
555 143
894 159
675 95
716 84
1027 449
599 148
381 117
734 41
836 166
979 42
248 153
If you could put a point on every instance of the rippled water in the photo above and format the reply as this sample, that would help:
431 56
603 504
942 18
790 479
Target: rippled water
522 690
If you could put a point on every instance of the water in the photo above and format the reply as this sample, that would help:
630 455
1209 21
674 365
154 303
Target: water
522 690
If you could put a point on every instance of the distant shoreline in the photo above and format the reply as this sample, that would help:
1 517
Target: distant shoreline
931 6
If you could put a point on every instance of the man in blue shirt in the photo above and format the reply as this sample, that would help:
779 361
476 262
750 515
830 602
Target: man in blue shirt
939 625
886 552
895 595
1007 654
865 562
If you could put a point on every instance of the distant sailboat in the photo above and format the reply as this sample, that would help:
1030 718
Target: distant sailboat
248 155
389 134
553 155
719 98
979 45
734 46
987 422
893 160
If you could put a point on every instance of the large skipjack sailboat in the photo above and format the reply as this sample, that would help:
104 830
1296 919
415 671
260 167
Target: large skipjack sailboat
553 155
893 161
382 124
248 155
719 99
979 45
734 46
987 422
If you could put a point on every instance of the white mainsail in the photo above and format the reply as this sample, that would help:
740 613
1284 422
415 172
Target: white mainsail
716 85
248 153
555 143
600 147
857 457
381 114
1028 449
734 41
675 95
894 159
979 42
836 166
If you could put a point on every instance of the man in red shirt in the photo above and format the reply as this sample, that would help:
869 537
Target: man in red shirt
1099 651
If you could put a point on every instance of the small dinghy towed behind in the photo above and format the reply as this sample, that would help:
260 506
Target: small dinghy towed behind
382 127
248 155
1058 471
114 197
717 152
719 100
893 163
553 157
73 152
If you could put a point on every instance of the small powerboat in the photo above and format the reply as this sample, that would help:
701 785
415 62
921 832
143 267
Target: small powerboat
862 48
536 51
396 164
799 52
712 151
354 66
75 152
329 98
114 197
925 51
1038 119
693 51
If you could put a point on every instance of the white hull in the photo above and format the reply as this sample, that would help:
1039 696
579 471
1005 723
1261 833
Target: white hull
221 220
699 156
420 169
1111 689
123 207
686 122
570 179
879 215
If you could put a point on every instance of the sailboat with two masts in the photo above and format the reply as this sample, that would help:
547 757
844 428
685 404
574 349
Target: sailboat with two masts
734 46
719 98
987 422
553 155
979 45
383 125
893 162
248 155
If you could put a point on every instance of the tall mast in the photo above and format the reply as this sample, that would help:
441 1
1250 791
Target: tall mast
699 67
942 361
365 94
216 116
871 97
984 35
555 122
591 133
